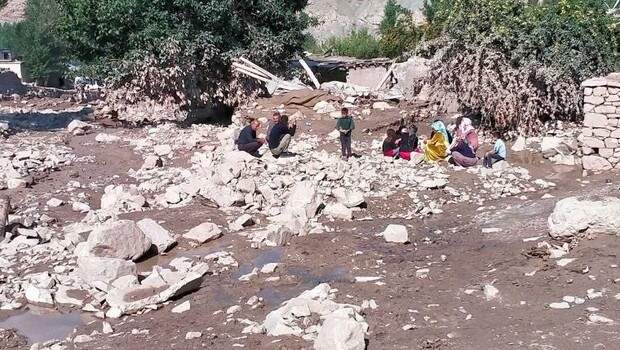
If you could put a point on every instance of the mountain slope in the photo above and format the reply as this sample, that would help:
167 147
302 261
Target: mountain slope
339 17
13 11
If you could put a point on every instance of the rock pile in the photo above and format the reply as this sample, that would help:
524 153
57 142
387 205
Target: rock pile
601 132
342 328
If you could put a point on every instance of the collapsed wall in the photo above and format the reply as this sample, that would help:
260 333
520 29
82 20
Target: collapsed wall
600 138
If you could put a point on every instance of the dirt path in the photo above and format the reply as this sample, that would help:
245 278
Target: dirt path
442 308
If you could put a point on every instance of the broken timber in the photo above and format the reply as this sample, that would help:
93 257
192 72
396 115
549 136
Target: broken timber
272 82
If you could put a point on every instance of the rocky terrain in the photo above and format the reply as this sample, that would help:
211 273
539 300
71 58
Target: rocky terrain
337 18
165 237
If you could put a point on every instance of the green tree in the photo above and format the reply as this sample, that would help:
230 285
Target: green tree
189 42
36 40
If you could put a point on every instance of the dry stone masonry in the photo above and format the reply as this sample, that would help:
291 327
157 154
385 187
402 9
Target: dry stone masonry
601 126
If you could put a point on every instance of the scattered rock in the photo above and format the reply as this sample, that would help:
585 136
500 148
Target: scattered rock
204 233
396 234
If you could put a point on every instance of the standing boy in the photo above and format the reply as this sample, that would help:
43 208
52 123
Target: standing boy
345 125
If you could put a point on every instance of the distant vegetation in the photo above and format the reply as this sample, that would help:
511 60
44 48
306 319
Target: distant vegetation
36 40
397 35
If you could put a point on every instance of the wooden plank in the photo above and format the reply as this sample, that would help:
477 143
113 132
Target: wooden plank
255 76
315 81
257 67
250 69
387 75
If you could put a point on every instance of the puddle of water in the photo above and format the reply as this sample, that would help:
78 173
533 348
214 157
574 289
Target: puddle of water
40 325
267 256
43 121
337 274
273 296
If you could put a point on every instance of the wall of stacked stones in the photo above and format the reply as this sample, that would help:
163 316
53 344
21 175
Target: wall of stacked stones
600 138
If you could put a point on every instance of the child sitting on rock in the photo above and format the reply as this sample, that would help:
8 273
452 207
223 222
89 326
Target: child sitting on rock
499 151
390 148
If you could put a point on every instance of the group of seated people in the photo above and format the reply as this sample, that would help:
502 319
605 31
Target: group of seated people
462 146
279 135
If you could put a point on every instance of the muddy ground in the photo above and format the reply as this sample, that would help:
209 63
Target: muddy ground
444 310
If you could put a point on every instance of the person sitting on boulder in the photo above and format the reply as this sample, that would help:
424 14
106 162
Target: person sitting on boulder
435 148
390 148
408 143
247 141
275 119
498 153
280 135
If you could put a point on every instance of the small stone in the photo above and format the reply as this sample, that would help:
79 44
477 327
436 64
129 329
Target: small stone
559 306
269 268
396 234
55 203
192 335
181 308
107 328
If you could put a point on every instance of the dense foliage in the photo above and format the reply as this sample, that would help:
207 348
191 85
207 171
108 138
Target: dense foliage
358 43
517 63
36 40
181 49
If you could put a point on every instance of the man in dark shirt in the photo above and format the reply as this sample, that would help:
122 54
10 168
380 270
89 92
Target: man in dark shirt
280 135
247 140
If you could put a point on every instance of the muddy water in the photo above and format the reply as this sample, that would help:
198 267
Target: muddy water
40 325
267 256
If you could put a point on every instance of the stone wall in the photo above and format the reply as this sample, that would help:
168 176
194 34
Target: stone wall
600 139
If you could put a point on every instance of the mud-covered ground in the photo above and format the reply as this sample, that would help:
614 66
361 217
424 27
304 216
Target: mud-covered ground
444 308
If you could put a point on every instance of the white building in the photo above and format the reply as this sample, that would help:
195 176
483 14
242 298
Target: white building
7 62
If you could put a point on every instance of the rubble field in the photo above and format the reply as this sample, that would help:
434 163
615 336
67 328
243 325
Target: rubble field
165 237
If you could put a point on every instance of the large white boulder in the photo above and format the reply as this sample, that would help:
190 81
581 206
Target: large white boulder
349 198
158 235
94 270
121 239
573 215
122 198
338 211
301 206
596 163
204 232
126 300
340 332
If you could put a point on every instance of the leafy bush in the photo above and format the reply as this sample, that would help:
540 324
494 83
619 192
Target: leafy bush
399 34
516 63
359 44
36 40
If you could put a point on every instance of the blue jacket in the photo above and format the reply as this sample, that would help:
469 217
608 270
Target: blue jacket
277 133
247 135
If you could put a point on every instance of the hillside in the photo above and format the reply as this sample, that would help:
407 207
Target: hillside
339 17
13 11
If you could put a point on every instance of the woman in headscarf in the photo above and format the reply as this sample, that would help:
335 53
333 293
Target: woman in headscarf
436 148
465 144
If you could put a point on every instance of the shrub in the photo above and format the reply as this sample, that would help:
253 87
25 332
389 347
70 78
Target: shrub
359 44
516 63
